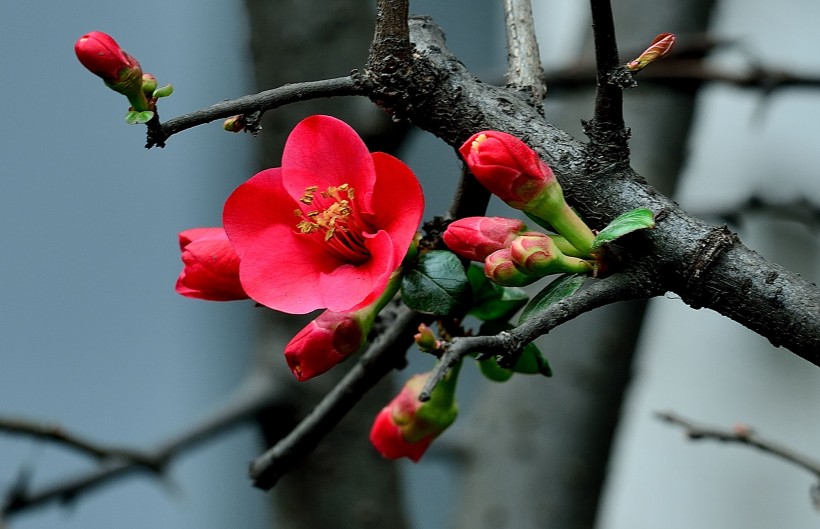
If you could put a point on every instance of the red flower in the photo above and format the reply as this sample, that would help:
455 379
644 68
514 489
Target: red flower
211 266
324 342
475 238
407 426
356 214
101 54
507 167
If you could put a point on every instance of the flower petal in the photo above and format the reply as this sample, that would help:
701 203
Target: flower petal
398 202
324 151
256 205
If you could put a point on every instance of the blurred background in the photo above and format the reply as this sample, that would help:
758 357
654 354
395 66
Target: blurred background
94 338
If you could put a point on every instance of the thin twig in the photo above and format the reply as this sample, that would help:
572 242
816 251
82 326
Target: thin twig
524 70
617 287
741 434
382 357
261 102
255 394
59 435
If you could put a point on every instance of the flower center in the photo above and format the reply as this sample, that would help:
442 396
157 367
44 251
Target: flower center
333 217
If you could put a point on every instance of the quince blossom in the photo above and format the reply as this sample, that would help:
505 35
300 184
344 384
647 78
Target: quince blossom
329 227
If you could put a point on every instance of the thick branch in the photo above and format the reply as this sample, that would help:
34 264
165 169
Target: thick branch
261 102
381 358
524 71
705 265
256 394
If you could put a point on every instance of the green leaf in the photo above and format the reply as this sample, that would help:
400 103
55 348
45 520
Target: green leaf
137 118
164 91
492 371
491 301
563 287
532 361
637 219
437 285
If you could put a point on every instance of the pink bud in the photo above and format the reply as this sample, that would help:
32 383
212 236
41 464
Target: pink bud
101 54
425 339
507 167
500 268
537 254
475 238
534 252
659 48
324 342
211 266
406 426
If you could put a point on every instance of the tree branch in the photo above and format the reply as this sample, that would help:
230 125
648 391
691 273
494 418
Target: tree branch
619 287
742 434
707 266
255 394
59 435
382 357
609 138
261 102
524 71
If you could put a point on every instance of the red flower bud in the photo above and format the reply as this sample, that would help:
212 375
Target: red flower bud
102 55
538 254
211 266
475 238
507 167
406 426
500 268
324 342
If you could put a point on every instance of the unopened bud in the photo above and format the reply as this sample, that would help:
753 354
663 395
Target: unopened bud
659 48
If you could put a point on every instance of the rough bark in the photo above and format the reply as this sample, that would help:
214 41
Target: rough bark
707 266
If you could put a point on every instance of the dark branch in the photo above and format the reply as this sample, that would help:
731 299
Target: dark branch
256 394
441 96
391 38
383 356
524 71
261 102
59 435
742 434
606 131
618 287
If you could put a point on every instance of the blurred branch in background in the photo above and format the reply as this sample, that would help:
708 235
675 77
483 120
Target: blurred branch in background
746 435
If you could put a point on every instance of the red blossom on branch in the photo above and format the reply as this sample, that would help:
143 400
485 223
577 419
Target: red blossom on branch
211 266
101 54
407 426
324 342
328 228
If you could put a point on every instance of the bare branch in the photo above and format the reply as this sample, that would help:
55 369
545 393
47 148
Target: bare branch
391 39
524 71
618 287
383 356
57 434
261 102
741 434
606 131
256 394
